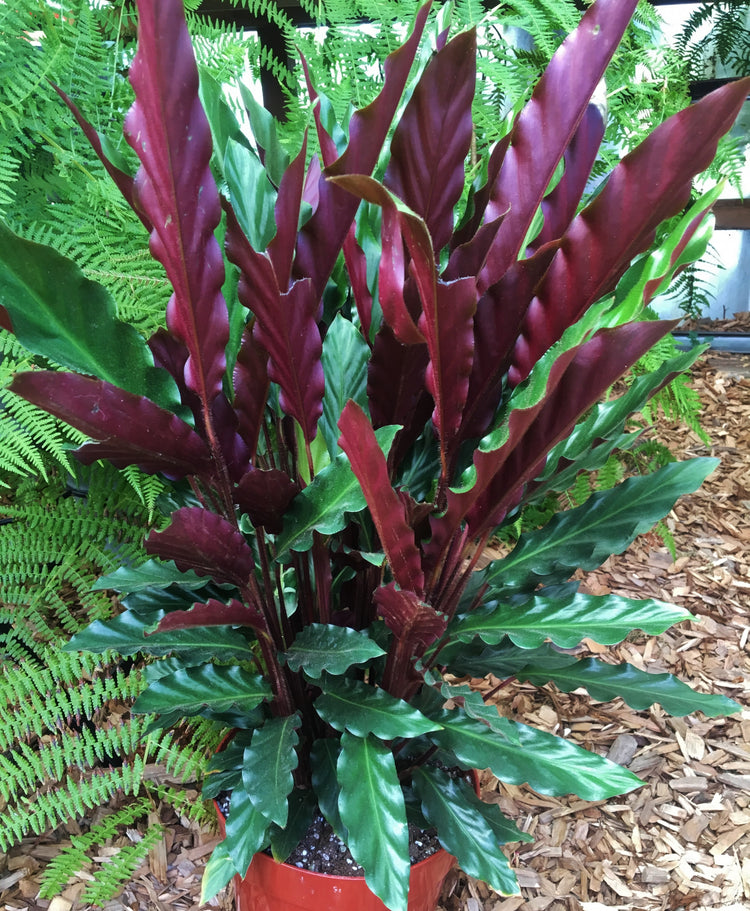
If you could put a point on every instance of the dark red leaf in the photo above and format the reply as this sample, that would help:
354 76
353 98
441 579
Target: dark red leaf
356 266
264 496
369 465
174 187
251 386
213 613
287 209
130 429
560 206
124 182
433 137
650 184
547 124
205 542
5 322
407 617
322 237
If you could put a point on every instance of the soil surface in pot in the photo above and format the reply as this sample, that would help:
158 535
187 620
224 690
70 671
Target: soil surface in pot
322 851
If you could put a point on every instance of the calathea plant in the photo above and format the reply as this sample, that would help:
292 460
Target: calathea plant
401 366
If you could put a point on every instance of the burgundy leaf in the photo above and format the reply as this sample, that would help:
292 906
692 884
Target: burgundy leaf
327 146
415 626
650 184
287 209
264 495
285 326
546 126
174 187
369 465
171 354
597 364
356 266
433 137
449 327
251 385
497 322
124 182
213 613
130 429
321 238
407 617
560 206
205 542
5 322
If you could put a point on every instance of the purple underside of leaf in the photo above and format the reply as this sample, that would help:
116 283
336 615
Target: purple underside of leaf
205 542
287 209
561 205
129 429
213 613
449 328
407 617
433 137
650 184
251 386
497 322
356 266
124 182
321 238
369 466
595 366
285 327
264 495
174 187
547 125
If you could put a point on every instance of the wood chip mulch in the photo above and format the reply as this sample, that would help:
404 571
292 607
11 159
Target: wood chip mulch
682 841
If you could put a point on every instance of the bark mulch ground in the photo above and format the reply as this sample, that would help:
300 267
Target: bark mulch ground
682 841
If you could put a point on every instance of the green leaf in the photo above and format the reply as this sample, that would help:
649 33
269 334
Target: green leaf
264 130
267 767
638 688
60 314
547 763
126 635
606 619
302 809
345 358
607 523
218 872
465 828
247 830
252 194
330 648
324 758
475 707
361 709
192 691
151 574
372 809
323 505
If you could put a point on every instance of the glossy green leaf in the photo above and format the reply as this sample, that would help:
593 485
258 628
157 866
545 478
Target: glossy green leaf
209 687
466 828
302 808
605 524
361 709
252 196
638 688
372 808
606 619
151 574
547 763
330 648
345 358
126 635
323 505
267 767
247 830
324 757
218 872
60 314
475 707
264 130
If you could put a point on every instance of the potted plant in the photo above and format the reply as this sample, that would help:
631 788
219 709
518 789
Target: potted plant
347 426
